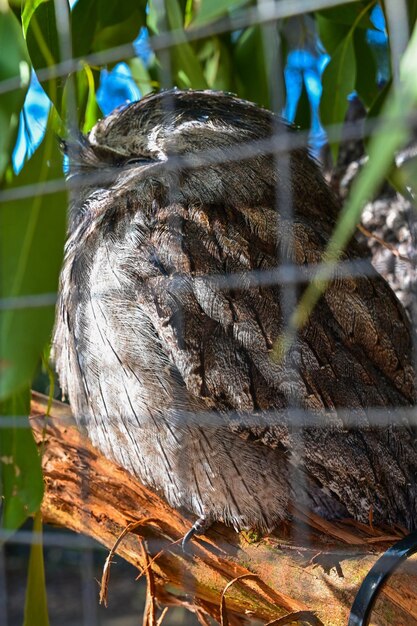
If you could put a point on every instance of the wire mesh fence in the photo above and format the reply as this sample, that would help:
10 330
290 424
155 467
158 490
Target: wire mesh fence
70 71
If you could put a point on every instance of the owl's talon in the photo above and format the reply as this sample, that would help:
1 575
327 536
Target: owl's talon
198 528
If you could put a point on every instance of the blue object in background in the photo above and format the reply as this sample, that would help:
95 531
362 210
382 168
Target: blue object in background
306 61
377 38
32 123
116 88
142 46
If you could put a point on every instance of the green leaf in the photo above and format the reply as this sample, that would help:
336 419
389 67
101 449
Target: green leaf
215 58
98 25
153 17
338 82
349 14
378 104
412 13
36 607
340 76
20 469
366 84
186 67
114 12
331 33
119 34
251 66
209 56
29 8
14 63
43 45
32 232
211 10
141 76
86 83
92 112
84 22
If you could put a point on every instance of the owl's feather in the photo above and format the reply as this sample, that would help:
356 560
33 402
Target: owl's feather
170 369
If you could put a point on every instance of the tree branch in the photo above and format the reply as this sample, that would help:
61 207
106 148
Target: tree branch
312 565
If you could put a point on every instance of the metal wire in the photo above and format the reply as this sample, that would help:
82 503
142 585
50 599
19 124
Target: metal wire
282 275
373 417
52 538
396 12
89 589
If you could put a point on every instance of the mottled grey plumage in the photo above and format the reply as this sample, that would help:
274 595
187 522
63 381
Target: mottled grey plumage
172 375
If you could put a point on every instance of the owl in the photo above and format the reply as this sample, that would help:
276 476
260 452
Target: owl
183 209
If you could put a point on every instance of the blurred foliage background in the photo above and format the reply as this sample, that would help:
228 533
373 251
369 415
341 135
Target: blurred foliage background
64 65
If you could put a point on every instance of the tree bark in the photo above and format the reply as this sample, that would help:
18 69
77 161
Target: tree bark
312 568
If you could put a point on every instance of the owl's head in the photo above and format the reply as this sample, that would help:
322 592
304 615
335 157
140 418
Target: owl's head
172 123
178 122
192 146
198 132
